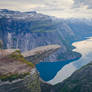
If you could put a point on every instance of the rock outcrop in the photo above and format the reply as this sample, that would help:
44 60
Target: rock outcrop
38 54
30 83
5 52
19 75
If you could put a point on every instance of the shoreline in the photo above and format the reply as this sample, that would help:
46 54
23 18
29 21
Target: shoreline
70 68
52 64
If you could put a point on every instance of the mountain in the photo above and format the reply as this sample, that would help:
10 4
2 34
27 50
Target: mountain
82 28
28 30
80 81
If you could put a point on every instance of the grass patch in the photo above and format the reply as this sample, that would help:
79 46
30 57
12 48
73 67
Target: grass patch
12 77
17 56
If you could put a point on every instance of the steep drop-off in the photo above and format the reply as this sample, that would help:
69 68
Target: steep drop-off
27 30
19 75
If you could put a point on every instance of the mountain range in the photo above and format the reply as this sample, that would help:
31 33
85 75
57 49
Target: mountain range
28 30
36 30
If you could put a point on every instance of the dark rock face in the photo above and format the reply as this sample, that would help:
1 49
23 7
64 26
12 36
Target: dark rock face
19 75
25 30
30 83
46 87
80 81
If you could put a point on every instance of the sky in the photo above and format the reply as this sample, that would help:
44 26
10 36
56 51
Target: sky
58 8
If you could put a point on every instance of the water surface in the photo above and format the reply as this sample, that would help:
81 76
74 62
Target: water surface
83 47
48 70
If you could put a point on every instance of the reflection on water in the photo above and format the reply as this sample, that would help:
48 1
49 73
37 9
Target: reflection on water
83 47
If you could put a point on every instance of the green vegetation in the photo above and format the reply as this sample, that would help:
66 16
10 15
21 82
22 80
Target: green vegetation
84 66
76 83
65 89
1 44
17 56
12 77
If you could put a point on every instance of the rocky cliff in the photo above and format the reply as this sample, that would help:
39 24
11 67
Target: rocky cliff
30 83
19 75
40 53
28 30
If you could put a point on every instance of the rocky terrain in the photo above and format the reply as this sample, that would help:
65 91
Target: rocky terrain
17 74
6 52
38 54
14 64
29 83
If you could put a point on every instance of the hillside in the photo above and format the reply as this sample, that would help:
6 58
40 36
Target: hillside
80 81
82 28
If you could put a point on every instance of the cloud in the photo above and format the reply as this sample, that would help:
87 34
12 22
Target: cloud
37 4
83 3
20 5
58 8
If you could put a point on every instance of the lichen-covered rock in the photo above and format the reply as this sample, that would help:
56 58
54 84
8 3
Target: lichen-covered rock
30 83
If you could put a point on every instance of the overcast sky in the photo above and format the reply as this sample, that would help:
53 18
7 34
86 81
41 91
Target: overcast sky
58 8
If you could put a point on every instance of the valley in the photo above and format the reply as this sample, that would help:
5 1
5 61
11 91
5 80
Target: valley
51 50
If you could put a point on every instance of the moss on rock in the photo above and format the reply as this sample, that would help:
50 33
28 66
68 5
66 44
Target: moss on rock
17 56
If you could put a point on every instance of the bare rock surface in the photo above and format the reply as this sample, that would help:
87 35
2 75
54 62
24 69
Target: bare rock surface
37 54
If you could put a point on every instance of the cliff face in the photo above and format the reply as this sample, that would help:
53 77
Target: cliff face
28 30
30 83
38 54
80 81
19 75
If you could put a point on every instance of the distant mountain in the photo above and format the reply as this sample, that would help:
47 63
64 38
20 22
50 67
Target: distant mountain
80 81
28 30
81 27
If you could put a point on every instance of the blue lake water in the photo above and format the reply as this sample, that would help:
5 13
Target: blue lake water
48 70
55 72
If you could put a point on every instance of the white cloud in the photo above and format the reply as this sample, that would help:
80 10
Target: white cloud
59 8
85 3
